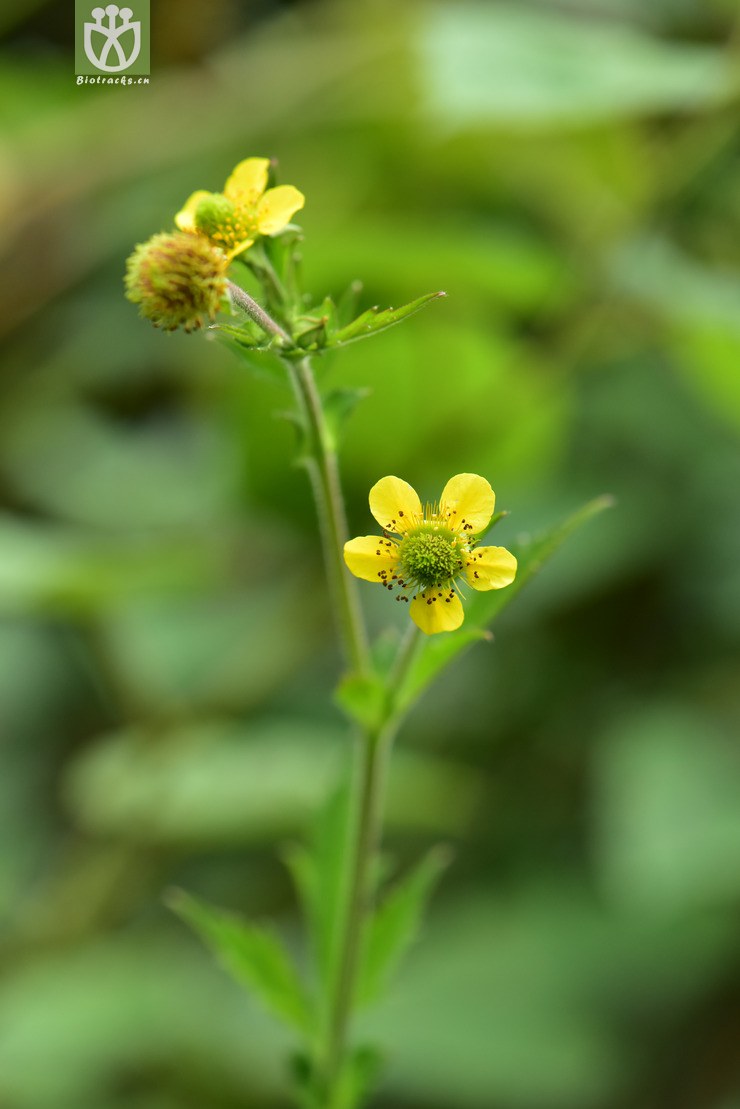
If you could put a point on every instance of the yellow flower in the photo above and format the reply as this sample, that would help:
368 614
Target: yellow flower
245 209
425 550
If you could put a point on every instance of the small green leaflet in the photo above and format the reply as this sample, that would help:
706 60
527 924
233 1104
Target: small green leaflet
321 874
255 957
395 923
376 319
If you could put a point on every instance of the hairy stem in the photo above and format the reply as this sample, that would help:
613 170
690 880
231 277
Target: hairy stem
373 746
363 840
249 305
321 462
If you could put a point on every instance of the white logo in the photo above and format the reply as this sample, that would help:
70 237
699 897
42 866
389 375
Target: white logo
111 34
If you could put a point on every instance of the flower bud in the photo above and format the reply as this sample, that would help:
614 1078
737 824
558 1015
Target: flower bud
177 279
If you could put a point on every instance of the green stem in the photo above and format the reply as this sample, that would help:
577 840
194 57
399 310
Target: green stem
321 462
400 669
373 756
364 826
366 813
364 837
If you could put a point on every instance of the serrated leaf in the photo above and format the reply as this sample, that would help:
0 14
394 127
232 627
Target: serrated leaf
252 955
376 319
395 924
438 651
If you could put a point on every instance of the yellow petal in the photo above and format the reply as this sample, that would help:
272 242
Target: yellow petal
468 501
185 218
277 206
371 557
490 568
395 504
437 610
248 182
231 254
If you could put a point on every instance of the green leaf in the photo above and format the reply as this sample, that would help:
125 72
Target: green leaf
353 1084
363 698
396 922
375 319
55 569
311 330
244 336
320 874
507 62
339 404
438 651
348 302
357 1077
254 956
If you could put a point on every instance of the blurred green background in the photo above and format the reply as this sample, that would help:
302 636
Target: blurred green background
569 174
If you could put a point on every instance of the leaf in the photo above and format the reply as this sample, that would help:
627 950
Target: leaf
396 922
375 319
320 874
363 698
252 955
55 569
438 651
486 63
245 336
313 334
339 404
357 1077
348 302
311 331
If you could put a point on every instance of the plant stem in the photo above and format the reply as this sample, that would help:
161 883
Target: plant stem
372 760
321 462
249 305
364 836
399 671
364 825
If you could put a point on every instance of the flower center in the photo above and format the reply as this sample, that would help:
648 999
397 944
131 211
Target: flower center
218 219
430 558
